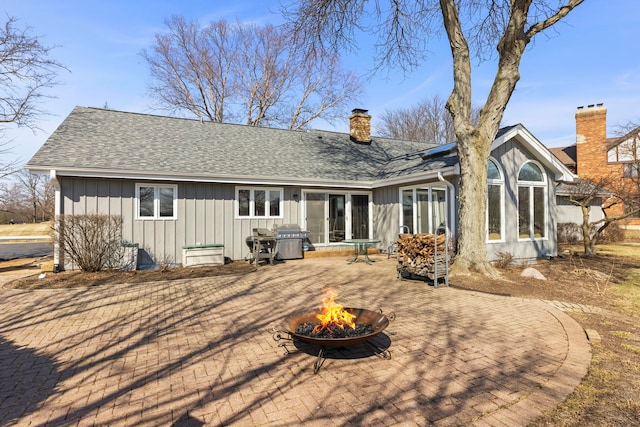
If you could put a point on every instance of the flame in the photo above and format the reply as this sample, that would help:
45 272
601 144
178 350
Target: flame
333 314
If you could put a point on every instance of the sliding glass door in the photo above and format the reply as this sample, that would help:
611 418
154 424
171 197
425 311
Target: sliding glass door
334 217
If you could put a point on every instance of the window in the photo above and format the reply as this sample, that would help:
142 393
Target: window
424 209
633 208
532 203
630 170
156 201
495 202
258 202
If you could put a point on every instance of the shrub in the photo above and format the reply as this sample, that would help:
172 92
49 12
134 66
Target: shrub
93 242
569 232
613 233
503 259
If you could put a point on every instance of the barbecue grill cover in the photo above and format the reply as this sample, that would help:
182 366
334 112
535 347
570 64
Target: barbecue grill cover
289 238
289 249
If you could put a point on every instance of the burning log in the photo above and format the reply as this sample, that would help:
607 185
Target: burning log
310 329
334 321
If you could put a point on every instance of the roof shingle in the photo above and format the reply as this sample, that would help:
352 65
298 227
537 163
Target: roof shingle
132 143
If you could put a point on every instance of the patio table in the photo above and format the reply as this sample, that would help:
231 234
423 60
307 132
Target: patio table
361 246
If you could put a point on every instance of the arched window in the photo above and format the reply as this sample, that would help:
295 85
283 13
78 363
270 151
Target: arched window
495 202
532 201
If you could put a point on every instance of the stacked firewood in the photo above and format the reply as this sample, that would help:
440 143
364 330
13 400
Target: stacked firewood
422 254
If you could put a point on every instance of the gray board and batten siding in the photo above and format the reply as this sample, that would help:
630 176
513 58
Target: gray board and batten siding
205 215
98 156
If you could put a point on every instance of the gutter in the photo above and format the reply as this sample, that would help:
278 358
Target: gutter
247 180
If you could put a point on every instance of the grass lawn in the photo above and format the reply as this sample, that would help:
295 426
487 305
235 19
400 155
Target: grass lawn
608 395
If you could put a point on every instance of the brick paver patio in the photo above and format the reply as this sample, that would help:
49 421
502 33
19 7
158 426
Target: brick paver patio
201 352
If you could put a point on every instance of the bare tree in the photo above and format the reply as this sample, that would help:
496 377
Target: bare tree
613 192
473 28
245 73
26 72
619 188
622 181
34 188
26 198
427 121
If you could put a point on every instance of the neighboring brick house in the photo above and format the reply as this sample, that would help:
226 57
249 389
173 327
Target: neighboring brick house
595 156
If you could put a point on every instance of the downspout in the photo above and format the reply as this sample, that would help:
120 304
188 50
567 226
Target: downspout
56 227
449 231
452 204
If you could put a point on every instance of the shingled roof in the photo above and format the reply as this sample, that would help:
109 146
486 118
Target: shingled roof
99 142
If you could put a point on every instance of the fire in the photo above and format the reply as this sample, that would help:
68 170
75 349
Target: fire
333 314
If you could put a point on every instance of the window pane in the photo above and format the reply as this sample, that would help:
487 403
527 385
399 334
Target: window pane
530 172
492 171
166 201
316 216
538 212
259 200
632 206
145 202
243 202
407 209
524 212
274 203
494 207
359 216
423 211
630 170
337 230
438 210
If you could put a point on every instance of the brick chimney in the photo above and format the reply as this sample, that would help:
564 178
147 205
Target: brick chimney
360 126
591 140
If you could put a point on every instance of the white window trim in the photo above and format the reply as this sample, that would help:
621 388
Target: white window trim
429 187
156 202
501 182
347 208
252 203
531 184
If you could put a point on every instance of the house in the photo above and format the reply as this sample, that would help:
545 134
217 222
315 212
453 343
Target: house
178 182
594 156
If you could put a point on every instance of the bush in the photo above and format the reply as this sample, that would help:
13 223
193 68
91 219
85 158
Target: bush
569 232
93 242
503 259
613 233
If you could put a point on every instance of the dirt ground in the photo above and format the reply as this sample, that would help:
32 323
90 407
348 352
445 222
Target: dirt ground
77 279
607 396
572 278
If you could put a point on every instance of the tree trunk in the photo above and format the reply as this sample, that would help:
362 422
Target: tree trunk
472 242
586 230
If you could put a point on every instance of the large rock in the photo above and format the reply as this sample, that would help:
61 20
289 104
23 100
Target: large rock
533 273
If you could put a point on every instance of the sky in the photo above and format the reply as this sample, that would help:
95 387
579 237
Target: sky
592 57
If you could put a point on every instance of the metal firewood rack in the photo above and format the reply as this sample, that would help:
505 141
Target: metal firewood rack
439 266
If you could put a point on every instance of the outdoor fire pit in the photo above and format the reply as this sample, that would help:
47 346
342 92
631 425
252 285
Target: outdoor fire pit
334 326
